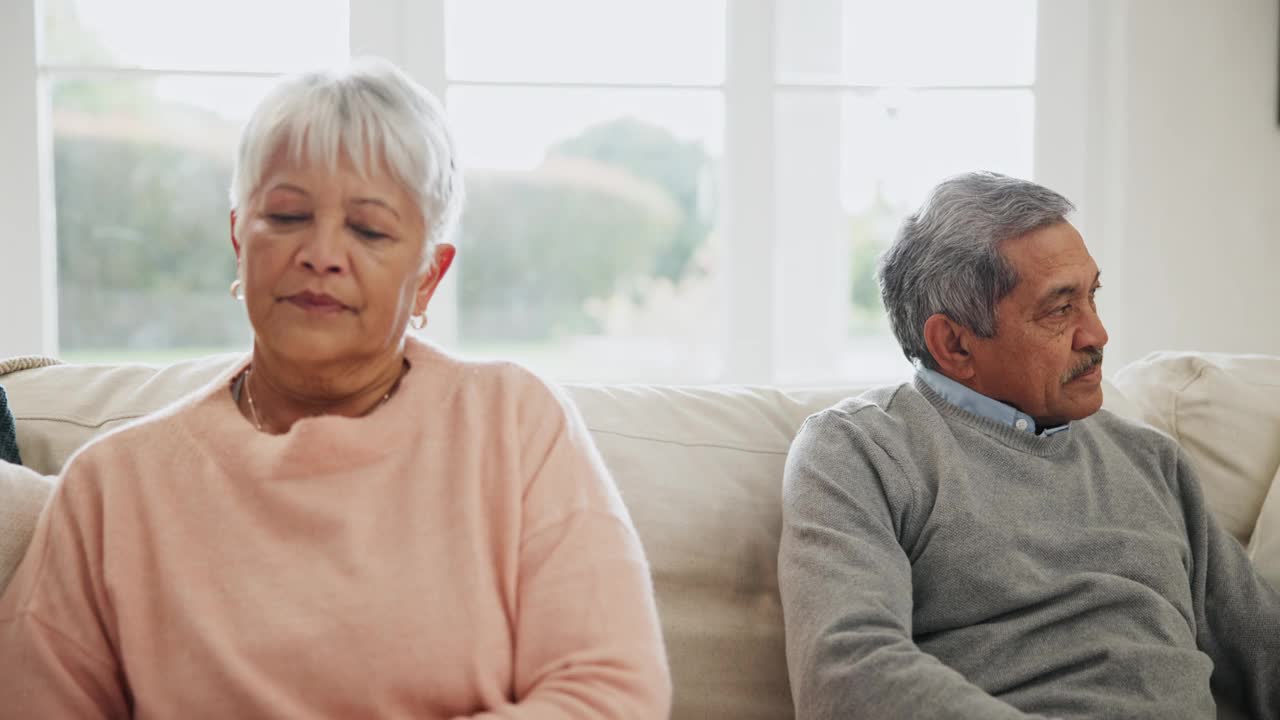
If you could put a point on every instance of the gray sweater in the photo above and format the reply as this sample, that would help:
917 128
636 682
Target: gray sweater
937 564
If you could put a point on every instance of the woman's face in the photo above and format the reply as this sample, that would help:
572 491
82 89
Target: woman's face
332 263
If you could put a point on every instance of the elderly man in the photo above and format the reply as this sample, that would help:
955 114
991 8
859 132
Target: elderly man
985 541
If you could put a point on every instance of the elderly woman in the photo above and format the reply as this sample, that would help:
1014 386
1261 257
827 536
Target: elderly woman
351 522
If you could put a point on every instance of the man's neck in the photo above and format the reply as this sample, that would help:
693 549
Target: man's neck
970 400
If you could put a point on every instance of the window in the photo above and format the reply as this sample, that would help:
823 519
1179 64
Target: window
144 125
662 191
874 106
587 248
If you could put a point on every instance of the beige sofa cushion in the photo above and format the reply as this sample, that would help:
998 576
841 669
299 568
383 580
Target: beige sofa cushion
23 493
61 407
1225 412
700 469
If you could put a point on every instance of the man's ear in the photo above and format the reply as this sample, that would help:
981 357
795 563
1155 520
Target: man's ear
948 342
235 241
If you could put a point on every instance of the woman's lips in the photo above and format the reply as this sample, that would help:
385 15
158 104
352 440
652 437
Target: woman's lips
316 302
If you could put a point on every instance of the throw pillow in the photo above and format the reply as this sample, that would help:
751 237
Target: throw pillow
8 432
23 494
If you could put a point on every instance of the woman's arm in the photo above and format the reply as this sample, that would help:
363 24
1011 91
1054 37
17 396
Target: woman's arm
587 642
57 659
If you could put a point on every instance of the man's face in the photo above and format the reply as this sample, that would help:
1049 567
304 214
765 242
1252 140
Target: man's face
1046 356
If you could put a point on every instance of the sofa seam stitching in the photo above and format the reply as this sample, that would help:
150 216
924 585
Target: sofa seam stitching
687 444
81 422
1177 401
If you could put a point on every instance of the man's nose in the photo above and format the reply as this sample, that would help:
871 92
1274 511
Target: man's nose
1092 333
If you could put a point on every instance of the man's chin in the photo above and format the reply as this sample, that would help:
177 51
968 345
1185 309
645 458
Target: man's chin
1087 403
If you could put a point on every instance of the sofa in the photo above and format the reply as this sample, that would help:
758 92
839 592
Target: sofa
700 469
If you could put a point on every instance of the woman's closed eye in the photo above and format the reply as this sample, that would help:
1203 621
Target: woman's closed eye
288 218
367 232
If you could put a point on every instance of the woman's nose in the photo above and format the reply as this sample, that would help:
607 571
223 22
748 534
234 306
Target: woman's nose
324 249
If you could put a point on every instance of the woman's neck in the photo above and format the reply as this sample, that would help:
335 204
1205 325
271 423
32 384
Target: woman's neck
277 394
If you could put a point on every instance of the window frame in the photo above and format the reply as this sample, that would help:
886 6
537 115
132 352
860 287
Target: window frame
757 319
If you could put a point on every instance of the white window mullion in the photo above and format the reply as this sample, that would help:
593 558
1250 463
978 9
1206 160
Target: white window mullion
813 273
28 261
747 223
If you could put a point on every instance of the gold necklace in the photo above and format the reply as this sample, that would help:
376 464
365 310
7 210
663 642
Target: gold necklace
253 409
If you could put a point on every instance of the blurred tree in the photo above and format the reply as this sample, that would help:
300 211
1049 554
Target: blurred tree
144 259
653 153
143 248
619 202
536 246
143 256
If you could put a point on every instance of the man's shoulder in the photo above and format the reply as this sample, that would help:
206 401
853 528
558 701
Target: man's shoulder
1111 438
877 404
1126 432
882 415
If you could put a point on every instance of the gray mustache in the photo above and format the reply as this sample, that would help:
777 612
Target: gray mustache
1094 360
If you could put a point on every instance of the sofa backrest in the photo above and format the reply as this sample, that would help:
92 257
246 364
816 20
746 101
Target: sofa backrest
1224 410
699 468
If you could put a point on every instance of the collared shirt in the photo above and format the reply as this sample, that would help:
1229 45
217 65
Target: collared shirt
975 402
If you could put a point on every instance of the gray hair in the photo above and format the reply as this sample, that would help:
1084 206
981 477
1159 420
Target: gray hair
947 257
368 113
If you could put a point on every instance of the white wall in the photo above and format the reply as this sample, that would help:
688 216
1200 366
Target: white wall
28 306
1178 171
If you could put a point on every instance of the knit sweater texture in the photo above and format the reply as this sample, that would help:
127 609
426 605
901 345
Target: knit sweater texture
937 564
460 552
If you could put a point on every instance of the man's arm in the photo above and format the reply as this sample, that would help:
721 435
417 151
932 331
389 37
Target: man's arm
846 588
1237 612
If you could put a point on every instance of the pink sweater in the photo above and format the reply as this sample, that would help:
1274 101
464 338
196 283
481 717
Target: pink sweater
462 551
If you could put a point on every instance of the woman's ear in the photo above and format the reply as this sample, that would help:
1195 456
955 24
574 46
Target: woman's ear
235 241
441 261
948 343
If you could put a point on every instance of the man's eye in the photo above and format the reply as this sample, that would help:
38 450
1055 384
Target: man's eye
1062 311
286 218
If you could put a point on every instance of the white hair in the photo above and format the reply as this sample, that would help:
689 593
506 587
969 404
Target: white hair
368 112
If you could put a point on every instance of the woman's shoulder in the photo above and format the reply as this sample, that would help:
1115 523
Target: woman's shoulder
491 381
157 436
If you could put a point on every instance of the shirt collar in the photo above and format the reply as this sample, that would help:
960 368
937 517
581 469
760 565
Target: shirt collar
975 402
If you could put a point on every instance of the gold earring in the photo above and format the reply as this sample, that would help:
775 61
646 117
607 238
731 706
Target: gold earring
417 322
235 290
